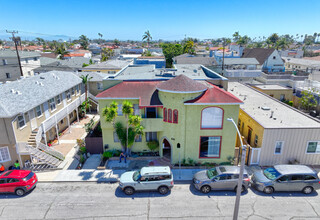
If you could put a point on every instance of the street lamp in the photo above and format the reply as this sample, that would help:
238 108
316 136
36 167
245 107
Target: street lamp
240 180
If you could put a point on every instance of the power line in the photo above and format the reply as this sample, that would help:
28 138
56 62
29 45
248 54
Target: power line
16 40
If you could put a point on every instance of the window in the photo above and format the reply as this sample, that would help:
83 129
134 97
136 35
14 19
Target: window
309 177
169 115
256 140
175 116
4 62
78 89
27 61
21 121
68 95
3 181
239 123
210 147
72 91
120 109
211 118
58 99
297 177
99 86
313 147
61 122
29 73
38 111
35 58
278 147
8 75
115 137
282 97
11 180
4 154
71 115
151 136
52 104
165 114
151 112
138 138
136 109
274 57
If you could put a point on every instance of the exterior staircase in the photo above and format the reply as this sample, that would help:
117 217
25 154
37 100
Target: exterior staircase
32 139
41 157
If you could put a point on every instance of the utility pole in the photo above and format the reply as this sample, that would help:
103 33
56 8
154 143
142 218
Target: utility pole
223 45
15 40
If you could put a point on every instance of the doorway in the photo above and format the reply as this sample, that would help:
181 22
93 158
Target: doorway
166 149
33 120
249 135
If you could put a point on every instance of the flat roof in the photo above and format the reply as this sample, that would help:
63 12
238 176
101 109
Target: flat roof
272 87
283 116
301 61
241 61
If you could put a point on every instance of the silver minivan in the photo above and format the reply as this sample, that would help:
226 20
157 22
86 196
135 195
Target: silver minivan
286 178
220 178
156 178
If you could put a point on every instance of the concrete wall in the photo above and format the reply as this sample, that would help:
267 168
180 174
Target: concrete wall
276 93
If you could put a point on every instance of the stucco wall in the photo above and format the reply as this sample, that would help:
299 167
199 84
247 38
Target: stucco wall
278 92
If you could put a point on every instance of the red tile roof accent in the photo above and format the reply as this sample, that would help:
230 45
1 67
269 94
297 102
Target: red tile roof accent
181 83
145 91
215 95
74 55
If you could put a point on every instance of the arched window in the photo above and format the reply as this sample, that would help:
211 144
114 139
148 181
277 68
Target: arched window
169 115
212 118
165 114
175 116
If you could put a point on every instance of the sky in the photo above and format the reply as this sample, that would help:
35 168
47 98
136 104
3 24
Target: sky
165 19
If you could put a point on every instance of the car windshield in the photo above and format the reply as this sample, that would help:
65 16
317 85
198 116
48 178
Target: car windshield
271 173
136 176
212 173
30 175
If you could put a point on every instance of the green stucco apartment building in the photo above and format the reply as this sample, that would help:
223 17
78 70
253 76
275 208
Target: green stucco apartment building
181 112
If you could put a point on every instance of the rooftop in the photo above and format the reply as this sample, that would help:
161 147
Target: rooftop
261 54
241 61
192 59
272 87
94 76
306 62
22 54
22 95
110 64
283 116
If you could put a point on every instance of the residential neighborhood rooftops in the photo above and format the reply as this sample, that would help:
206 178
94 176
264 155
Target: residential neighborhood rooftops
261 54
305 62
93 76
22 54
110 64
192 59
269 112
22 95
241 61
272 87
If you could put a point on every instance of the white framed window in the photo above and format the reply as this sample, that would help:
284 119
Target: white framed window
5 62
120 109
68 95
21 121
52 104
278 147
282 97
115 137
78 89
8 75
99 86
38 111
313 147
72 91
151 136
136 109
58 98
4 154
211 118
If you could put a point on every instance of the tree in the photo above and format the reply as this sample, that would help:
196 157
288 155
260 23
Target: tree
189 47
307 100
116 42
100 35
273 39
127 110
243 40
60 50
236 36
171 50
147 36
106 53
39 41
85 80
84 42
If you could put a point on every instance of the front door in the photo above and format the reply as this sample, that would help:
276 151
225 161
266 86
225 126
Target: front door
166 149
33 120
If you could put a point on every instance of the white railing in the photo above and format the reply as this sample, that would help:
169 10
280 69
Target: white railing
22 147
242 73
39 134
54 119
50 151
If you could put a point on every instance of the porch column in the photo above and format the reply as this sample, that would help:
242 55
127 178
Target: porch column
45 135
77 114
68 120
57 131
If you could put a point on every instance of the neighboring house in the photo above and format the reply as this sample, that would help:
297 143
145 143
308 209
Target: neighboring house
109 66
9 65
268 58
33 111
311 86
194 59
218 55
291 53
78 53
305 65
187 117
276 91
158 61
276 132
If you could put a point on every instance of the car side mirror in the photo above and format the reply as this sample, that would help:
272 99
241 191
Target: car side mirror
279 181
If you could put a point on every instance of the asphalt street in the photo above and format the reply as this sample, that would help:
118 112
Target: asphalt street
107 201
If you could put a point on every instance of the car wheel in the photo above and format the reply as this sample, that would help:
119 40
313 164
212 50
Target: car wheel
128 190
20 192
163 190
242 189
205 189
307 190
268 190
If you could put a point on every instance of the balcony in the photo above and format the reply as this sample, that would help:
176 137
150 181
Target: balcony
152 124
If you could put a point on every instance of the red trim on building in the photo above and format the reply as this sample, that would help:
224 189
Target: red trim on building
201 128
219 147
175 121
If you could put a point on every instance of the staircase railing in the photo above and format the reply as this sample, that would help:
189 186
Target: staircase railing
50 151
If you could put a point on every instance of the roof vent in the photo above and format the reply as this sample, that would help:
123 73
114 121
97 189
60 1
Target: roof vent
42 77
41 84
195 70
266 108
18 93
271 116
37 82
12 91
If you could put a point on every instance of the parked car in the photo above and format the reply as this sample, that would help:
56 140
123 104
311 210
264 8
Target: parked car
286 178
220 178
17 181
155 178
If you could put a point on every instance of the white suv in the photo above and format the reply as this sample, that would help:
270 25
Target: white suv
147 179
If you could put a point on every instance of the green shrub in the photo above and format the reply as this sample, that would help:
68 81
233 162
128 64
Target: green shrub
191 162
82 159
107 154
152 145
83 150
290 103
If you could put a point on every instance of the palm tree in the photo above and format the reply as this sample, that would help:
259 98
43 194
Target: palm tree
84 41
135 122
39 41
100 35
106 53
61 51
147 36
110 113
85 80
127 110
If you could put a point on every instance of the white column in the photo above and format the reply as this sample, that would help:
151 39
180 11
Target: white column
45 135
68 120
77 114
57 131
